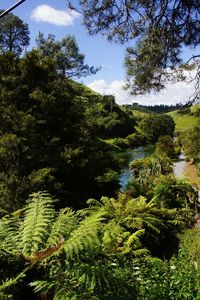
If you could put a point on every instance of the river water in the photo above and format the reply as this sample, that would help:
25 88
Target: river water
179 166
130 155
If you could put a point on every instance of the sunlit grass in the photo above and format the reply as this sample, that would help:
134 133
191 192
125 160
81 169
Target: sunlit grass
183 122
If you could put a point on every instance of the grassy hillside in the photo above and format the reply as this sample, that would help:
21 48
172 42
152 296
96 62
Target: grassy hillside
183 121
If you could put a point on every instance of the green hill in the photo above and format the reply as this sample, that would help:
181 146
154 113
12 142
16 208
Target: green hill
184 121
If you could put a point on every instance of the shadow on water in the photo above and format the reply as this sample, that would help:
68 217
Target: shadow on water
128 156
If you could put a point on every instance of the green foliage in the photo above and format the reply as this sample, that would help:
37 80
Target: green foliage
175 279
166 146
145 171
183 122
191 143
65 54
91 254
136 139
158 29
170 192
154 126
135 227
63 249
108 118
47 136
14 34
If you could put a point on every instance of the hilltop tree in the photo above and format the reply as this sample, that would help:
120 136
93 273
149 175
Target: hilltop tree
14 34
65 54
160 29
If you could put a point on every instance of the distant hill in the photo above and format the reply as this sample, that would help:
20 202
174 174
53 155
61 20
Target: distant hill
159 109
186 118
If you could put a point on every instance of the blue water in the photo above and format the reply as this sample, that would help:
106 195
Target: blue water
129 156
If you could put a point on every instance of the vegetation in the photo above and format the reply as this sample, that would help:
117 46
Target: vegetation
158 108
14 34
167 146
183 121
58 144
159 30
155 126
191 143
65 54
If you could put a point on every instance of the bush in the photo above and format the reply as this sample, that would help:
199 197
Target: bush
121 143
136 139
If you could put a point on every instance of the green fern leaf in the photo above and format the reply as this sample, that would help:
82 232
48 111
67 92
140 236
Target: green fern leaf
39 215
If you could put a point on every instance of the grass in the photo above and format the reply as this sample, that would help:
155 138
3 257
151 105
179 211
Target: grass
191 174
183 122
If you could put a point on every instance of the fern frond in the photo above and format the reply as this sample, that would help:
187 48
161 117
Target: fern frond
10 282
141 252
62 226
10 236
39 215
42 286
4 296
84 237
134 237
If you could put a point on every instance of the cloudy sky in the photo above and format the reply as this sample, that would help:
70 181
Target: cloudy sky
50 16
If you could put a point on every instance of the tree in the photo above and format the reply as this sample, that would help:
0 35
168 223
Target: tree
191 143
154 126
65 54
166 146
160 30
144 173
170 192
47 141
14 34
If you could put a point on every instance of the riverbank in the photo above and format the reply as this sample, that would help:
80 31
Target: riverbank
128 156
190 173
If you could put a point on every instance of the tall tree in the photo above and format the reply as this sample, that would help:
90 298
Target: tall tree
160 29
66 55
46 141
14 34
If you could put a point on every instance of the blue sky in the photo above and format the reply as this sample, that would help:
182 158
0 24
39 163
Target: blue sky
50 16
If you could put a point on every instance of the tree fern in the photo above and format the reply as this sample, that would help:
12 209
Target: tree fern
39 215
62 226
85 236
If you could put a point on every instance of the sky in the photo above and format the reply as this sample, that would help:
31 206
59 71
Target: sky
48 16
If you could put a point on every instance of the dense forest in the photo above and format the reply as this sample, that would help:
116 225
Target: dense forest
67 231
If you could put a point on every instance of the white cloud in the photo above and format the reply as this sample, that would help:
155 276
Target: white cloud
174 93
46 13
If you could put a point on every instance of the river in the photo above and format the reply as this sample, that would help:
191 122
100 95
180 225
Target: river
179 166
129 155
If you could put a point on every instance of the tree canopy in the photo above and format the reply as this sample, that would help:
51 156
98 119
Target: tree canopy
159 30
47 135
65 54
154 126
14 34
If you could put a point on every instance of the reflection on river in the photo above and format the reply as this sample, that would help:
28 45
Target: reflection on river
128 156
